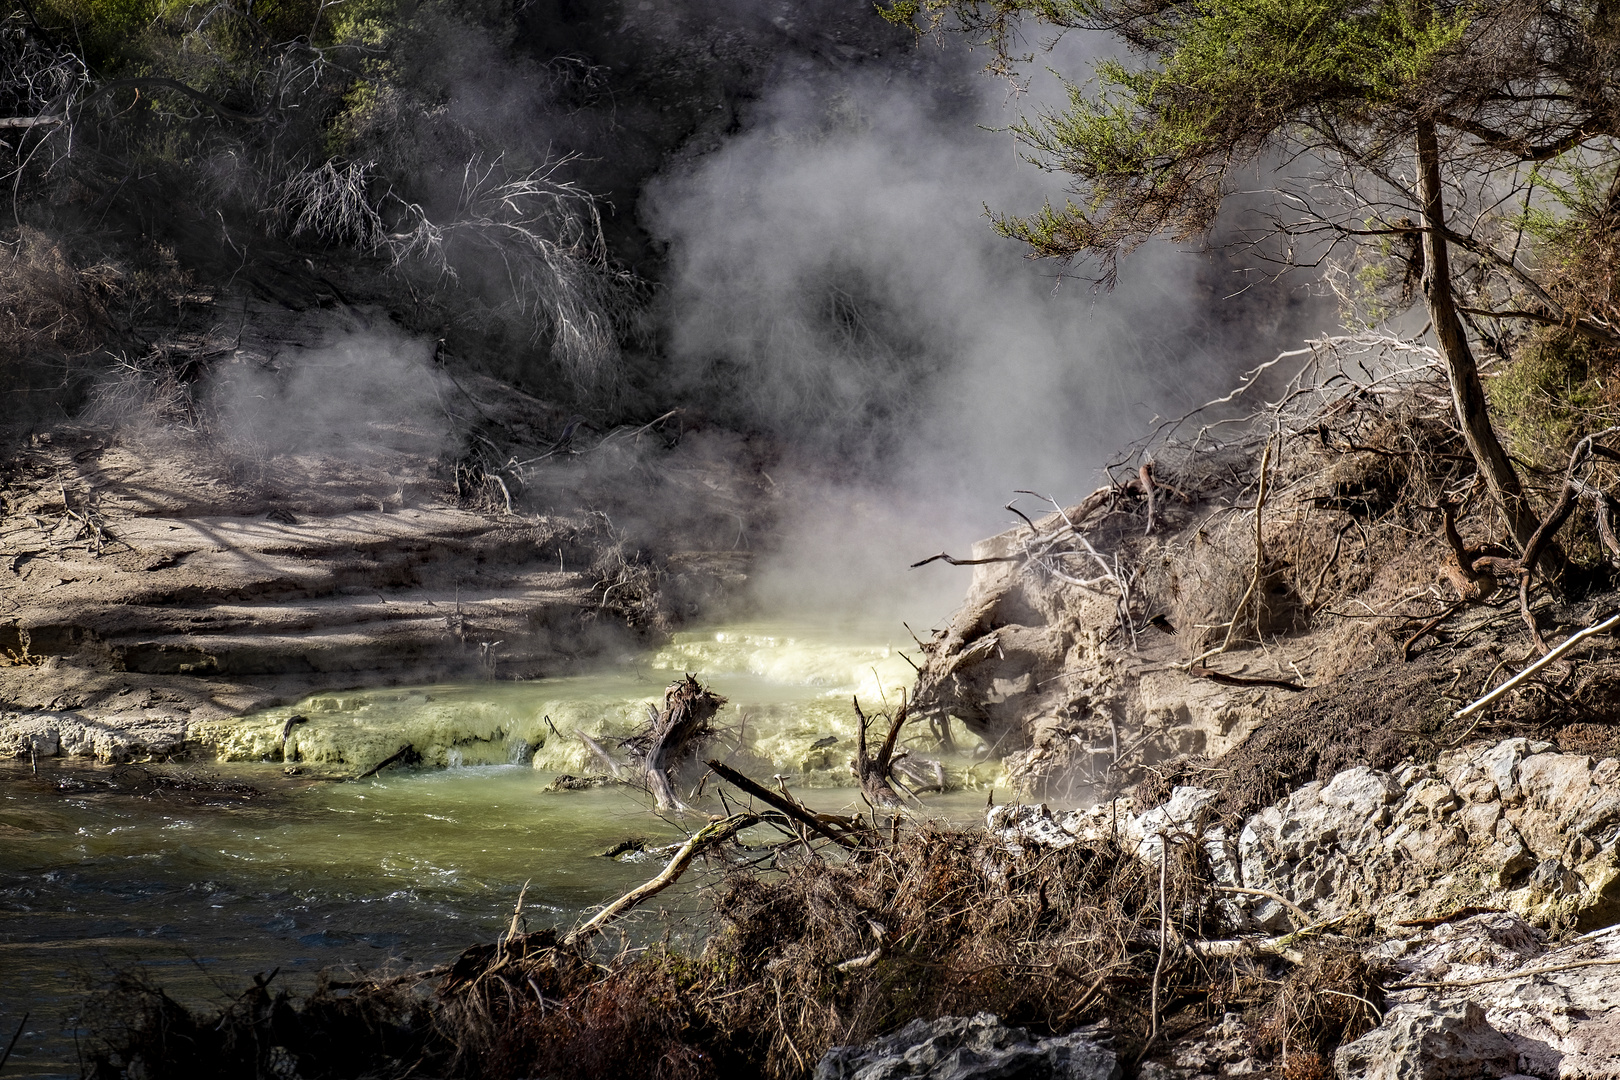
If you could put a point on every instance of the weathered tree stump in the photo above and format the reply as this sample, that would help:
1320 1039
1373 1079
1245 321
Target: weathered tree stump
676 734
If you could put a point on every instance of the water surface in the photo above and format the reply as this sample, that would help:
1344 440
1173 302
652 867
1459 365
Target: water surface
103 869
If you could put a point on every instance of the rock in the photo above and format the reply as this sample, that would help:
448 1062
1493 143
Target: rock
1429 1042
1475 947
976 1048
1363 841
1223 1048
140 734
1501 764
1184 812
1514 825
1363 791
1559 1010
1034 824
1552 880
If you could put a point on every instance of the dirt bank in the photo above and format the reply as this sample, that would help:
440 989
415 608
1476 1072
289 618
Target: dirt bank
1257 610
157 572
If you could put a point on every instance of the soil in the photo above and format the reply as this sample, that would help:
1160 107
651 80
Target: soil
154 574
1094 643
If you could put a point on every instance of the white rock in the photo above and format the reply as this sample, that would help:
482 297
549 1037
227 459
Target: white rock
1429 1042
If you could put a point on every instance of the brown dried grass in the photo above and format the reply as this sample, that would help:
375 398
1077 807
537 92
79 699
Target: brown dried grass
1047 939
52 302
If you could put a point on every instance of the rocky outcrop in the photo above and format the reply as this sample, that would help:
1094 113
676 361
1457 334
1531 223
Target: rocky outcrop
1428 1042
1483 996
976 1048
144 734
1517 832
1516 825
152 581
1043 668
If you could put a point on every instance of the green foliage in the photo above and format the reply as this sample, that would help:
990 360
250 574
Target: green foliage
1575 229
1556 388
1219 82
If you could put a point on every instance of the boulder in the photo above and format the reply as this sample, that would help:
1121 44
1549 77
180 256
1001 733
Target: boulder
972 1048
1422 1041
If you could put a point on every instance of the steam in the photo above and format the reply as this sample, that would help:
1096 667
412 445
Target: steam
355 391
834 281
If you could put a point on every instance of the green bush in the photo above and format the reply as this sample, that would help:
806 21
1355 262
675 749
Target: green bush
1556 389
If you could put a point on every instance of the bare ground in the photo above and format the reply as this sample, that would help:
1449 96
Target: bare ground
155 573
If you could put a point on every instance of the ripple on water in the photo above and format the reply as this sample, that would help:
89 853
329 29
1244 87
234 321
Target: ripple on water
415 863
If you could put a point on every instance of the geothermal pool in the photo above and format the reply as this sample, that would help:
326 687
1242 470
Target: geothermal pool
100 871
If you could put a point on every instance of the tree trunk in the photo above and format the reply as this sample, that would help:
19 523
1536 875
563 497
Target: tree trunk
1467 393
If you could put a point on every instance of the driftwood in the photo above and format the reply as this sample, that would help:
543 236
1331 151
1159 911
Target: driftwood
715 832
874 772
406 754
676 732
838 830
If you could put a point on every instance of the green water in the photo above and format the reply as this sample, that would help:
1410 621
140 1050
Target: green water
409 866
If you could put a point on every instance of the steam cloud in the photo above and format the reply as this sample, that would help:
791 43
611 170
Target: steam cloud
834 280
358 390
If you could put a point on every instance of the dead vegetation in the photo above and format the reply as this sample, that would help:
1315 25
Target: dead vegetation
1333 548
828 946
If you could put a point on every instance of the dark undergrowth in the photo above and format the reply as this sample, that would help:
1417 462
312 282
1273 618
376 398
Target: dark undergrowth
822 952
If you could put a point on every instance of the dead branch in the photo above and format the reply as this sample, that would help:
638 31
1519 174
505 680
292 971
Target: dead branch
942 557
1297 911
1605 524
1406 648
1203 671
1164 941
874 772
403 754
715 832
1554 520
1144 476
1569 643
790 806
1259 551
1519 974
30 121
1247 947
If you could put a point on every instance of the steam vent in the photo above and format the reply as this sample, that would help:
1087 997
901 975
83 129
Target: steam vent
936 540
